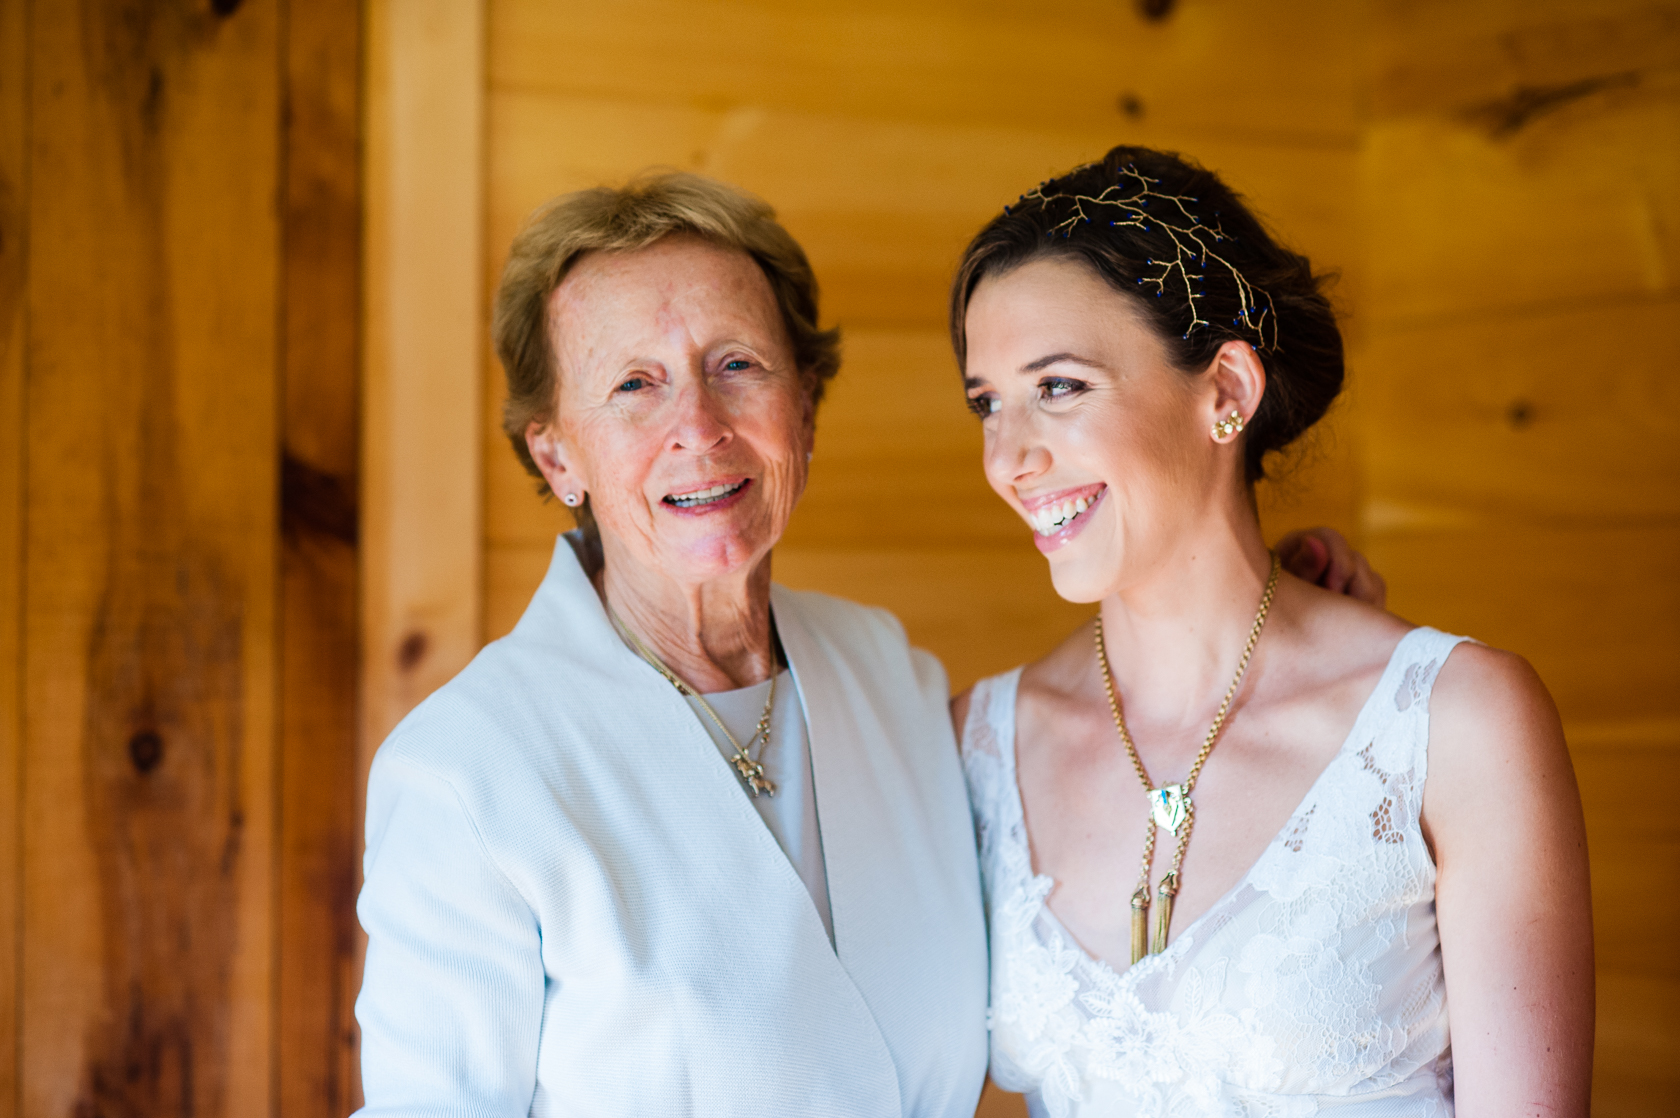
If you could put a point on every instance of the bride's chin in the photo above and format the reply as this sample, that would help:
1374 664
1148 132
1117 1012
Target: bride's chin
1080 579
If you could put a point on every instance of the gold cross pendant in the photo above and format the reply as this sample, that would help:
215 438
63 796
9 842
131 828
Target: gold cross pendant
752 773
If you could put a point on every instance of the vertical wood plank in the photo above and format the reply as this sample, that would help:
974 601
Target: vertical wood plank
316 1049
13 275
150 548
423 317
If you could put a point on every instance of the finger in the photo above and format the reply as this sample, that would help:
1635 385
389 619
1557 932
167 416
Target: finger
1367 585
1340 565
1304 556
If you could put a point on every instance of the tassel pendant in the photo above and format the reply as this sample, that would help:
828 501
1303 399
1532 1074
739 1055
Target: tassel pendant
1163 913
1140 923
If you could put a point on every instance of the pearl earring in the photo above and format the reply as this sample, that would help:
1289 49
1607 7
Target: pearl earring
571 500
1225 428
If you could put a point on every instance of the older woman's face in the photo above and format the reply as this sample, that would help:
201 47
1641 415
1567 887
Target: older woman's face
681 411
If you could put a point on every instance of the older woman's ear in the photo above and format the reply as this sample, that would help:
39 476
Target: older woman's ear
548 451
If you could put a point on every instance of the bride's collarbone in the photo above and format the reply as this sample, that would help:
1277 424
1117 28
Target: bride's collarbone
1086 810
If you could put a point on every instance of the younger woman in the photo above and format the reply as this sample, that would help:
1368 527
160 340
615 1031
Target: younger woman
1249 847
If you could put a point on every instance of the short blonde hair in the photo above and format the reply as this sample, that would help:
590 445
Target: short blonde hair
607 219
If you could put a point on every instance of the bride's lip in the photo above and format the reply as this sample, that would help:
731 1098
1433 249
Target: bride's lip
1056 497
1042 509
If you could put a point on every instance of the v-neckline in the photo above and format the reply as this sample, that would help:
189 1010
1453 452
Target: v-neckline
1187 935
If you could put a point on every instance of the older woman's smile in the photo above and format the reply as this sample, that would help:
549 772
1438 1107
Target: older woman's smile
710 497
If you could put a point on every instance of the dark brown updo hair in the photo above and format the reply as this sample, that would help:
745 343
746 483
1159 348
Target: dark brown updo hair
1178 242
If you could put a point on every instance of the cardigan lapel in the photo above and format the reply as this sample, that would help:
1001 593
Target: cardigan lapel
862 801
567 614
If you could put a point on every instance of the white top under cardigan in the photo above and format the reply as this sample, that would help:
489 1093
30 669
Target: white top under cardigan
791 813
572 908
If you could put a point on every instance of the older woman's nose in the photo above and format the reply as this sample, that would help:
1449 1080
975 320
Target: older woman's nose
701 422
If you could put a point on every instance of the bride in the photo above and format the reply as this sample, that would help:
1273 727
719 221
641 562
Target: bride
1249 847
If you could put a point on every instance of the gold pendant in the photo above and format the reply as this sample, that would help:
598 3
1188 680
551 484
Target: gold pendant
1140 923
1170 804
752 772
1163 911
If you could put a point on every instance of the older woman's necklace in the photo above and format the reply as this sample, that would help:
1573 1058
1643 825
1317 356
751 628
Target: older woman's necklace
750 771
1170 805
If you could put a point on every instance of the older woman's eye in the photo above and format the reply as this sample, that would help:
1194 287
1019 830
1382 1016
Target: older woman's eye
983 406
633 384
735 365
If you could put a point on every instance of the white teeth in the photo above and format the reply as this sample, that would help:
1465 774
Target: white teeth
1053 518
704 496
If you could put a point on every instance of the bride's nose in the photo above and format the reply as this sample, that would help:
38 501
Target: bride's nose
1014 453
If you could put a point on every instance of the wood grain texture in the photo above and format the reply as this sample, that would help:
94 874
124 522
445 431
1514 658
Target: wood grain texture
1219 66
423 312
1525 429
320 793
1629 774
150 529
14 206
1577 206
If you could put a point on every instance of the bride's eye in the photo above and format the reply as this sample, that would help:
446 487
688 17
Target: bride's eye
984 404
1055 388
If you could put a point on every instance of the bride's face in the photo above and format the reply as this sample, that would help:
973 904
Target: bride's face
1091 435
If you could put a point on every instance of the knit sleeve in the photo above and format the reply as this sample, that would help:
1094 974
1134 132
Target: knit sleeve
452 994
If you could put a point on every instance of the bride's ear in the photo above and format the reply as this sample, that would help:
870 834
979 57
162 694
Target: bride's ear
1238 381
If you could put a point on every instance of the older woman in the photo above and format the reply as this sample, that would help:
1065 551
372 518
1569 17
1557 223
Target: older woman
684 842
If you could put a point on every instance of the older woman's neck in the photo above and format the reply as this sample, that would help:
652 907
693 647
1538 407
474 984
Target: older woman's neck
715 636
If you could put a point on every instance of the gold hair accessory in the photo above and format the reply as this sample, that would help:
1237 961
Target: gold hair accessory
1192 240
750 771
1229 426
1170 805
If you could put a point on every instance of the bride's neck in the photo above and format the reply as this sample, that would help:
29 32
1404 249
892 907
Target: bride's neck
1176 632
715 636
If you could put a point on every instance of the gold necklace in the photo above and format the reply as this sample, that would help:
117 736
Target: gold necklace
750 771
1170 805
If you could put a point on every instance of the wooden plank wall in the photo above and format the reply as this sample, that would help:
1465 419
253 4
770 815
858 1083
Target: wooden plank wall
179 255
1495 181
1520 178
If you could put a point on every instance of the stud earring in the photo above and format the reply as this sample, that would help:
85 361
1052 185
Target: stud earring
571 500
1227 427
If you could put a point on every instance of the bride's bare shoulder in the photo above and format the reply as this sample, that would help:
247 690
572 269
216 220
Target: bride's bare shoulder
1350 631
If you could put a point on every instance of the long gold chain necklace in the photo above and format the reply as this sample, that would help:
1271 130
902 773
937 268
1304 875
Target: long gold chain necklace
1170 805
751 771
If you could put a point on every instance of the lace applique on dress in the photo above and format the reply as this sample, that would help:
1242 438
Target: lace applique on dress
1313 985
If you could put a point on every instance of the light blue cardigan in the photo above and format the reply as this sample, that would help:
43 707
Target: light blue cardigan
573 909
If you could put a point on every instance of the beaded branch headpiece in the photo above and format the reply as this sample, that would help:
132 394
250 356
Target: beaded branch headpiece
1192 240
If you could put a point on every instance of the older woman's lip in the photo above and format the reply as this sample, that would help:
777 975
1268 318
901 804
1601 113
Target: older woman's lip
707 497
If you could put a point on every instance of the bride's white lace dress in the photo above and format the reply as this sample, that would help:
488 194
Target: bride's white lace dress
1313 985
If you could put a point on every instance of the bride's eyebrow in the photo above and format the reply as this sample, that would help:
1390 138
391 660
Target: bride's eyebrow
1056 359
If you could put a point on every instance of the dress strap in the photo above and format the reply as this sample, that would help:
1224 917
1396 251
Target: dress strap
989 731
1406 688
